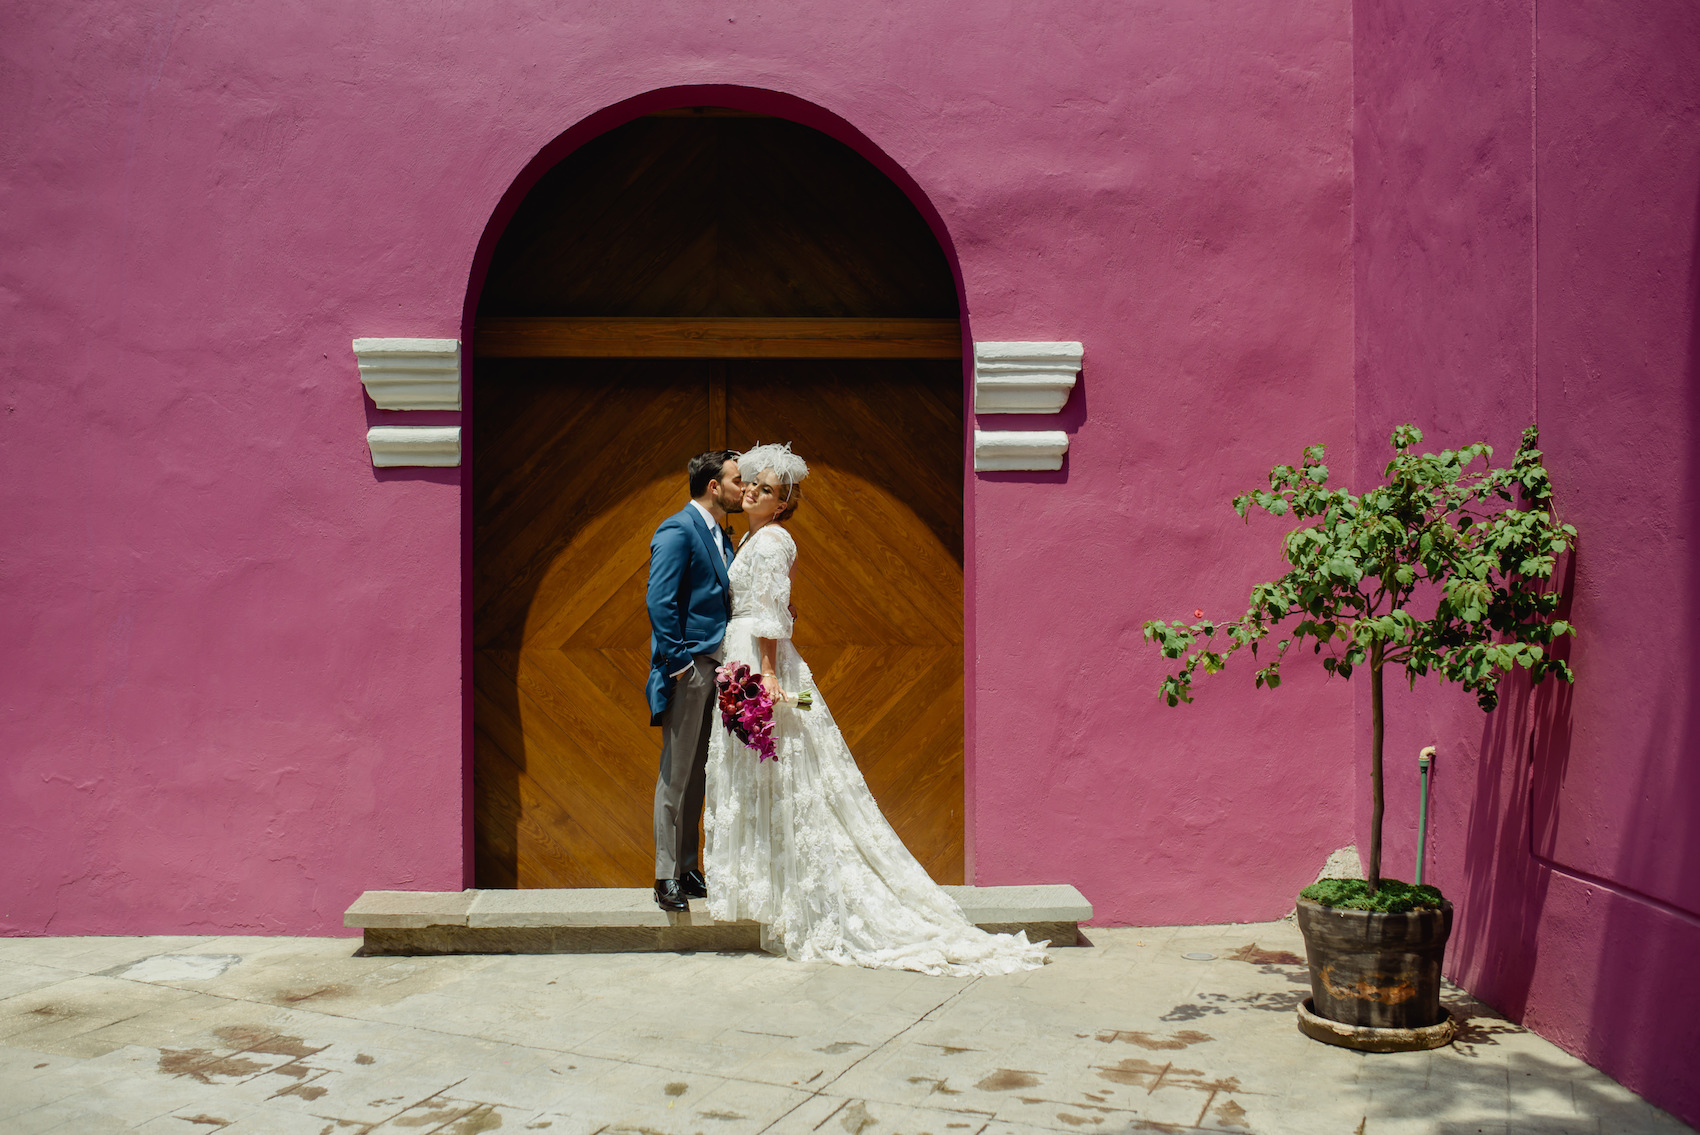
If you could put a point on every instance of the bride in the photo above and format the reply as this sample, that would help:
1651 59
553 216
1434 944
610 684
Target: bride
798 843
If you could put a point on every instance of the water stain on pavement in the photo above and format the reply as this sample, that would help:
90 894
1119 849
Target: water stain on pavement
305 1091
1141 1073
1007 1080
311 993
1133 1070
436 1115
1185 1038
487 1119
203 1064
54 1012
244 1043
840 1047
855 1118
1257 957
246 1038
1231 1114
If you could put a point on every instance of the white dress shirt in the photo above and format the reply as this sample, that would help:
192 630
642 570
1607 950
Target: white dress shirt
714 530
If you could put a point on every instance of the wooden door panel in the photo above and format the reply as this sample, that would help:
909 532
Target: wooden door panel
589 586
629 422
740 217
879 575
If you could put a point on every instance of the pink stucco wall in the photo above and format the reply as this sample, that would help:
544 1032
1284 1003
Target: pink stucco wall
1527 190
233 652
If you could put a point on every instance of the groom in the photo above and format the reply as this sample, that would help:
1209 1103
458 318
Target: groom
689 601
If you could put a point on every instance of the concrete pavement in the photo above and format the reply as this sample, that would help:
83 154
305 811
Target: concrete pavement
240 1035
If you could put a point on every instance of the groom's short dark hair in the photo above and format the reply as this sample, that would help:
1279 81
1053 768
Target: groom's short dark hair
706 467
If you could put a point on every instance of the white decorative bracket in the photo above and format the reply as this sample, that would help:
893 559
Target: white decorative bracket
410 374
996 450
414 445
1024 378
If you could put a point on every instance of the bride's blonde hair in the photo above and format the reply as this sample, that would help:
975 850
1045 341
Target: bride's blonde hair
787 468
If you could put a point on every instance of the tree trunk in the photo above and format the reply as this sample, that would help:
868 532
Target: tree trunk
1376 803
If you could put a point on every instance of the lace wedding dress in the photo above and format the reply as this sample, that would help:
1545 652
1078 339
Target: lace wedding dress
799 845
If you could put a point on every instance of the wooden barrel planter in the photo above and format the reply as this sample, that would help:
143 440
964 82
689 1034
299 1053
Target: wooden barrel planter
1375 977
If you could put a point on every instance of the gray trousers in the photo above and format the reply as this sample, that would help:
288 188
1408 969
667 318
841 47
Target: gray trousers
684 758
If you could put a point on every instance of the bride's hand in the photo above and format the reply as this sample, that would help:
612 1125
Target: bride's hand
770 684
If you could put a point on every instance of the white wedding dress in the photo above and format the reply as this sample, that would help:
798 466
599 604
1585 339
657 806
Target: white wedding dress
798 844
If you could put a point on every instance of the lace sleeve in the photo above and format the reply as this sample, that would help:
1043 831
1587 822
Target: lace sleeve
770 581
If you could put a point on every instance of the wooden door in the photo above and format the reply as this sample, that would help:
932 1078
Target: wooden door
576 462
757 233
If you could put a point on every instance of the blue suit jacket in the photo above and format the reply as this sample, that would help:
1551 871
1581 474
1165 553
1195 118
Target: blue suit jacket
689 601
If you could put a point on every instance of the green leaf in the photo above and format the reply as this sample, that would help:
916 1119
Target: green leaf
1449 518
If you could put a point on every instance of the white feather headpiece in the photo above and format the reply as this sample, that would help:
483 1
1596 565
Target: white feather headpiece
786 466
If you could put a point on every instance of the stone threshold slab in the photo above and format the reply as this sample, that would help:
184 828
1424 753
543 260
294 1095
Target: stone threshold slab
619 919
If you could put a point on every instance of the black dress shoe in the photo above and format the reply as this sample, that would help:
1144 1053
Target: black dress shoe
670 896
694 885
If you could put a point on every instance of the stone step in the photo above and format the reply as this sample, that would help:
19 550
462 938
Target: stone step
617 919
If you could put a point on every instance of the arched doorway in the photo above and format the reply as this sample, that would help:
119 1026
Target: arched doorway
690 280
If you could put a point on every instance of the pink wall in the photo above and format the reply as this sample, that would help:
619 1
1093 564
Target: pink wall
232 651
1527 249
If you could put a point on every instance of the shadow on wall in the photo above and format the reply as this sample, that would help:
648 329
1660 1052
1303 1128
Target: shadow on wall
1661 943
438 474
1068 420
1632 1024
1505 889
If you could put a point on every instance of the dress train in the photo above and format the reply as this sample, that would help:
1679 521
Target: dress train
799 844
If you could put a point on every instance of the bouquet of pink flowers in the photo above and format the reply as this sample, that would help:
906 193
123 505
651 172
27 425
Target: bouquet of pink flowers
746 709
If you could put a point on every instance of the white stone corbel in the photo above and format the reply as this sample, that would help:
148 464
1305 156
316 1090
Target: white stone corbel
1024 378
413 445
996 450
410 374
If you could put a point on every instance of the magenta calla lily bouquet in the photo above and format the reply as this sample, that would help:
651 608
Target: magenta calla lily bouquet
746 709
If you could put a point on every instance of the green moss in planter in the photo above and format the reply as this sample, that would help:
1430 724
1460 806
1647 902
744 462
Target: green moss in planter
1392 897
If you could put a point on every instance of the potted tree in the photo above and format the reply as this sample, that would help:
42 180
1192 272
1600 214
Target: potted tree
1472 546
